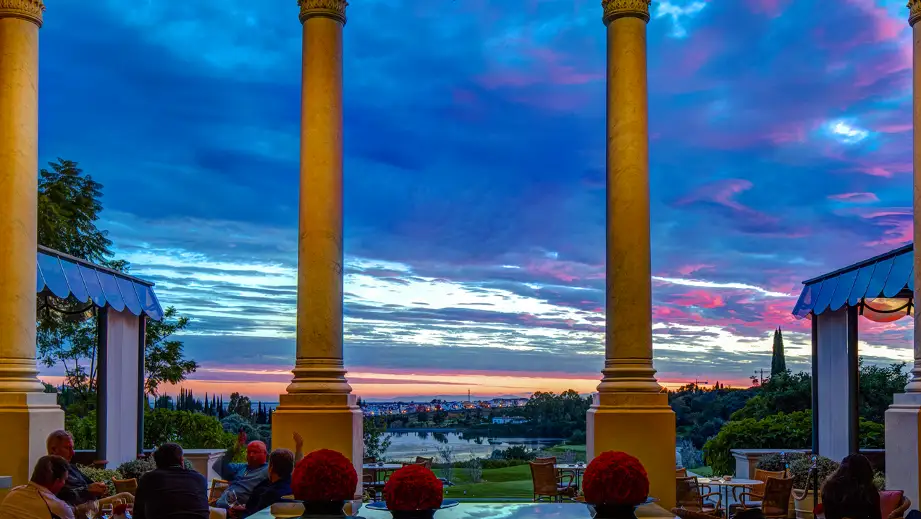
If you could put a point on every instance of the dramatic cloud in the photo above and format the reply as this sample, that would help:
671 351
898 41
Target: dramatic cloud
474 183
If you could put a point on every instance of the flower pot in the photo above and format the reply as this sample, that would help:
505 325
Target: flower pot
323 509
412 514
802 508
612 511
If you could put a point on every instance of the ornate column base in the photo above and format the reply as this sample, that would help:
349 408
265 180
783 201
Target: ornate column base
325 421
641 424
28 419
902 436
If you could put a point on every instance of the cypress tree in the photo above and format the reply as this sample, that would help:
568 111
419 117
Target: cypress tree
778 364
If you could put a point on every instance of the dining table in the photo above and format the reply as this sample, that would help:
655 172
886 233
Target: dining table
726 486
575 468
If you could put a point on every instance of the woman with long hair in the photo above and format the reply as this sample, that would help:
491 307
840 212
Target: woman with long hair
850 491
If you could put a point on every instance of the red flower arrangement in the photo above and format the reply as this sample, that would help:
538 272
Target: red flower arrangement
616 478
414 487
324 476
120 509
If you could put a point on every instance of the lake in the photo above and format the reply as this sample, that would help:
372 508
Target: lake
406 446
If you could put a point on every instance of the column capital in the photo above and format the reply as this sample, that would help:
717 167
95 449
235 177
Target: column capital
30 10
612 9
914 6
335 9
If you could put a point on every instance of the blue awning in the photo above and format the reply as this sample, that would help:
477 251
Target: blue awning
889 275
66 276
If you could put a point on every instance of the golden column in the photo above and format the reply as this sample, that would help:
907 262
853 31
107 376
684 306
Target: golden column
27 414
319 403
630 412
915 385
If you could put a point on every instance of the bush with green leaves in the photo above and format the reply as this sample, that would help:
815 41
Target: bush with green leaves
101 475
800 470
137 468
189 429
778 431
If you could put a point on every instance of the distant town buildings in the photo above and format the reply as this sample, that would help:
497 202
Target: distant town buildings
399 408
503 420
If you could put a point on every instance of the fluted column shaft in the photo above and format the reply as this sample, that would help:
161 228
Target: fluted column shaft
628 340
319 365
915 385
19 25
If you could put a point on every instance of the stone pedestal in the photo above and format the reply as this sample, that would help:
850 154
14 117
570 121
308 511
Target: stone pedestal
27 419
325 422
643 427
901 440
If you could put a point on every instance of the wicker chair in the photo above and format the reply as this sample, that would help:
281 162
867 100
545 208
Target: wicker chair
775 499
755 492
561 474
218 486
125 485
547 485
681 473
689 496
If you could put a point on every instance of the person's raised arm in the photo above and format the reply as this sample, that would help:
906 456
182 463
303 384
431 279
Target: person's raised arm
299 446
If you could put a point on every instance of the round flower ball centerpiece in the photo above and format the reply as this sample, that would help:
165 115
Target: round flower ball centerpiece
324 480
614 484
413 492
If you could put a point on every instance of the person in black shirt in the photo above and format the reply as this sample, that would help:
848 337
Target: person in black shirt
850 491
273 489
78 489
171 491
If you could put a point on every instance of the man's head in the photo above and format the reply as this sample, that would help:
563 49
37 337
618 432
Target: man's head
281 464
168 455
50 472
61 443
256 454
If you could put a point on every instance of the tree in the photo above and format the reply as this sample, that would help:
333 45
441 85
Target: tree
240 405
68 211
375 439
778 365
164 361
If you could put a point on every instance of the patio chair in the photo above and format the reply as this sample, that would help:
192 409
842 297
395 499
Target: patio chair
893 504
547 485
373 481
125 485
562 473
688 514
368 460
681 473
218 486
755 492
775 499
426 462
690 496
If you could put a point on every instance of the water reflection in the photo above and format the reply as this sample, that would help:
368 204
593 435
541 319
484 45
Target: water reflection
407 445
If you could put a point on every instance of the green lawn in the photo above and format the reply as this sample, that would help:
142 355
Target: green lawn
510 482
702 471
565 448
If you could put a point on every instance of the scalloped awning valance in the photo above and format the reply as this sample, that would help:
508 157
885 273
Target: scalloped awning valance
66 276
882 287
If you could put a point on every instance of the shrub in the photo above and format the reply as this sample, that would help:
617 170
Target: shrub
800 470
880 481
578 437
98 475
775 462
778 431
137 468
189 429
691 457
83 429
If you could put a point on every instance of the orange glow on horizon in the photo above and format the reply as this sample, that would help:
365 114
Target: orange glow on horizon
395 385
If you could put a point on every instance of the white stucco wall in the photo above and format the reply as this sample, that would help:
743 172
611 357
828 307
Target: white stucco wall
122 388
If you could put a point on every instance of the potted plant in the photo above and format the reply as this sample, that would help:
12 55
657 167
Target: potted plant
413 492
614 484
803 494
324 480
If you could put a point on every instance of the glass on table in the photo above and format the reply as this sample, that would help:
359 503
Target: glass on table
231 497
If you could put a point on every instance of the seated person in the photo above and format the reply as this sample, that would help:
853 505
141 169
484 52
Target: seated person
244 478
272 490
79 489
171 490
37 500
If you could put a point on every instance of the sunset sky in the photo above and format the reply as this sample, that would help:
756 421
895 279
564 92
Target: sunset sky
780 149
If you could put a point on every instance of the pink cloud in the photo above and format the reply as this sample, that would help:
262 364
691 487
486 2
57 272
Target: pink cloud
699 298
857 198
885 27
